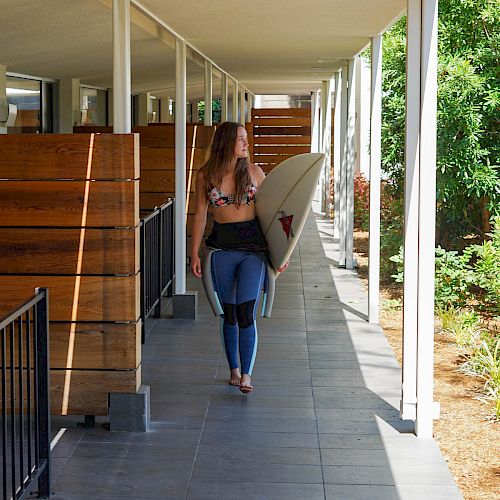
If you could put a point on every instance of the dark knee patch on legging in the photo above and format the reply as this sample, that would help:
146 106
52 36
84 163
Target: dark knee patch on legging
229 313
244 313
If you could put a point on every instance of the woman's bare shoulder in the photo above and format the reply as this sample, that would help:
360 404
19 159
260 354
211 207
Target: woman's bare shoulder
256 173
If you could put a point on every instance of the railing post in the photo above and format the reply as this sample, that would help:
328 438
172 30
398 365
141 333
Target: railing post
142 265
43 409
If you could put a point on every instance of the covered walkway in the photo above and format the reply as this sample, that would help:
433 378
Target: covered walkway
322 423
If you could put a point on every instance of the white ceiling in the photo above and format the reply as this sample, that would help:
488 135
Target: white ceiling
271 46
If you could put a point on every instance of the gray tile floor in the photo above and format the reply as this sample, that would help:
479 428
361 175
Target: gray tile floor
321 423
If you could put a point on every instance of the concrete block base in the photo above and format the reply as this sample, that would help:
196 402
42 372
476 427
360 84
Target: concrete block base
185 306
129 412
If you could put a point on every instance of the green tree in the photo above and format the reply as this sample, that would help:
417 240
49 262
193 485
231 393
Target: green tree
468 176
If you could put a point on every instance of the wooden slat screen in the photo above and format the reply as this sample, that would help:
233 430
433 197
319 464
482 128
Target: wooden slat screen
85 249
279 134
157 163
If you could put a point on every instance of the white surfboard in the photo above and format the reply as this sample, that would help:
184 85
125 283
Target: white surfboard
283 201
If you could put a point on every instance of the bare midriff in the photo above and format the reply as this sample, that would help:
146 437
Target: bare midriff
233 213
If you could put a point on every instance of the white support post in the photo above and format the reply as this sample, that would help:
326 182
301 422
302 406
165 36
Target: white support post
234 113
412 170
165 116
208 93
224 99
342 170
315 125
350 161
180 167
420 215
69 105
337 158
427 219
122 117
145 107
249 107
242 114
326 141
375 166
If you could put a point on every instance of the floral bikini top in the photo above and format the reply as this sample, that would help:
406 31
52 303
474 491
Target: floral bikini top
217 198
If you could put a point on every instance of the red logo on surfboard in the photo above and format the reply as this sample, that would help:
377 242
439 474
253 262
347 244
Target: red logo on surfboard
286 222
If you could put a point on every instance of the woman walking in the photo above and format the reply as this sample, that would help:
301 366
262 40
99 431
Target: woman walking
226 185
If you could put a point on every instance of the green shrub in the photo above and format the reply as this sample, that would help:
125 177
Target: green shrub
485 271
485 363
462 325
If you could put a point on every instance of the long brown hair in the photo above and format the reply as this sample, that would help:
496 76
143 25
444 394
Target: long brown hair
220 156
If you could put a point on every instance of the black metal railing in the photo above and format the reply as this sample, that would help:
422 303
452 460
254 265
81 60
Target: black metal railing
25 399
157 260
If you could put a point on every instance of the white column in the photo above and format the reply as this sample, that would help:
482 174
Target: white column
208 93
234 113
194 110
3 97
342 170
337 158
224 99
69 105
326 140
420 215
427 218
350 164
242 110
165 116
144 108
249 107
110 107
180 167
122 118
315 119
357 98
375 165
412 168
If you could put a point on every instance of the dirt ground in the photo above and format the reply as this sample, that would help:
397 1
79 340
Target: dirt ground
468 439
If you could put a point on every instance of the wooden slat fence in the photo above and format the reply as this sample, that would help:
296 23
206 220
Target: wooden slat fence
69 215
279 134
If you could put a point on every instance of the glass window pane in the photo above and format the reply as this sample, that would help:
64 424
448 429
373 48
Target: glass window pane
25 94
93 106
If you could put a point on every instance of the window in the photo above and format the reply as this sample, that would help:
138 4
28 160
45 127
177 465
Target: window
93 106
26 95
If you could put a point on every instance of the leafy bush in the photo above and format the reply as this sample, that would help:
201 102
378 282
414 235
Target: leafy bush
485 271
361 202
462 325
485 363
468 279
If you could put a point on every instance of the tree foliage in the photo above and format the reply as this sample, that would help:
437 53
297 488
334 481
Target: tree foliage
468 150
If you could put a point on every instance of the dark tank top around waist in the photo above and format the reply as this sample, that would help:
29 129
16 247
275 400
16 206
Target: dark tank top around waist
244 236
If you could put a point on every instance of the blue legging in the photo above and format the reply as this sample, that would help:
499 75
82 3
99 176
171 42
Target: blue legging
238 279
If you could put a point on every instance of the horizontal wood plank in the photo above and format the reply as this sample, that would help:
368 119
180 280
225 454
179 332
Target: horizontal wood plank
256 112
300 131
276 159
61 203
304 140
89 390
100 298
282 121
102 346
292 150
56 251
67 156
164 158
96 345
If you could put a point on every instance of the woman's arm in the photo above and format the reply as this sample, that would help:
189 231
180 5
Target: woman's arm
257 174
199 223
